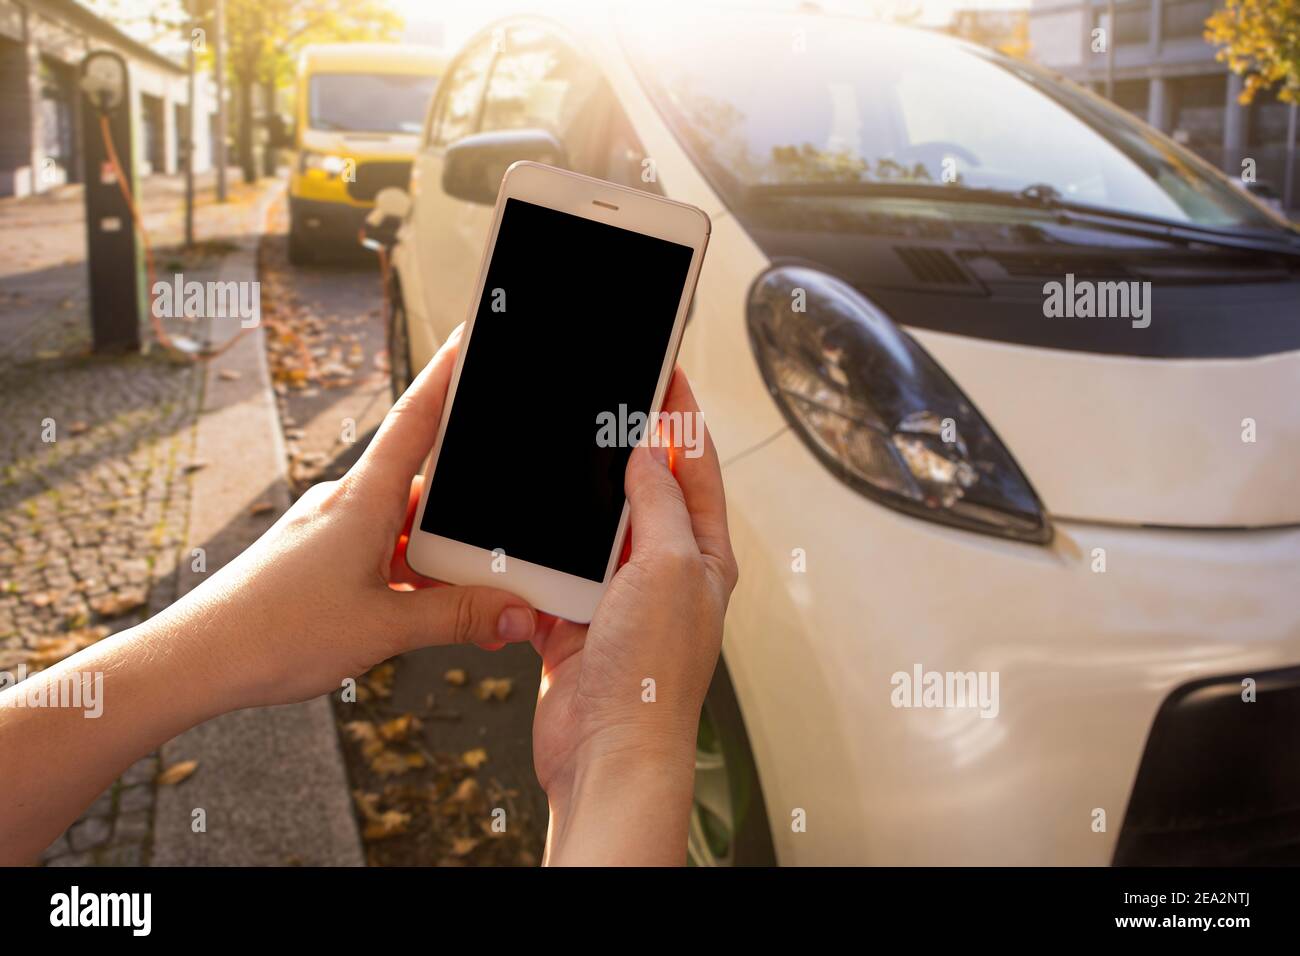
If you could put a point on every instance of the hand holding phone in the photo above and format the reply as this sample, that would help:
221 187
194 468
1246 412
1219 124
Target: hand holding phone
583 296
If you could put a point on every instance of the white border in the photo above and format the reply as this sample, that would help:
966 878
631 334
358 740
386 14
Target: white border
455 562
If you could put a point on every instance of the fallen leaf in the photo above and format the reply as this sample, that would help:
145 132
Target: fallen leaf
467 791
117 603
364 733
388 824
229 374
399 728
177 772
498 687
392 764
456 677
463 846
474 758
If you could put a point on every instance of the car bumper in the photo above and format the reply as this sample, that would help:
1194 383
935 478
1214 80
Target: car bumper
1084 660
327 222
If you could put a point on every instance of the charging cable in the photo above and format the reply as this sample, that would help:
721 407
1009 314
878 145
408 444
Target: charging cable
191 354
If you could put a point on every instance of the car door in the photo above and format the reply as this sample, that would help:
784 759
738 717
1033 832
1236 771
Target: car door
447 233
537 80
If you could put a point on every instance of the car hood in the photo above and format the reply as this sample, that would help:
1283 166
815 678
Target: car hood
1192 421
359 145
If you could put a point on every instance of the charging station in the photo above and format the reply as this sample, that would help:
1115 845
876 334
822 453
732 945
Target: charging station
113 255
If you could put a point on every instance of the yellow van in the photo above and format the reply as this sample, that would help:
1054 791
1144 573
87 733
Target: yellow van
360 110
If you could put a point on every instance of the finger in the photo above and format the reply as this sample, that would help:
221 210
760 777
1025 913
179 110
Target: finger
660 522
697 469
404 439
462 615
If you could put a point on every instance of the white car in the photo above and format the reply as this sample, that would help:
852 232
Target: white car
1007 390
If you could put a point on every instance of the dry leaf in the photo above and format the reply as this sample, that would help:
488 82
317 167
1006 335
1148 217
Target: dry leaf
48 651
261 508
498 687
118 603
466 792
399 728
474 758
463 846
387 824
364 733
177 772
392 764
228 374
456 677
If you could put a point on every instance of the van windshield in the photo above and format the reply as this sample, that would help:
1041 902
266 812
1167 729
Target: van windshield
792 102
369 102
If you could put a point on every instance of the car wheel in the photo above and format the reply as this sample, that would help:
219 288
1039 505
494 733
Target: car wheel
399 344
729 824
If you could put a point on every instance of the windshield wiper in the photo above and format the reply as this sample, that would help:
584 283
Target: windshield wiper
1046 198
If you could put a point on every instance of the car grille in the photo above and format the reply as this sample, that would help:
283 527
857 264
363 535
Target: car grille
372 177
1219 783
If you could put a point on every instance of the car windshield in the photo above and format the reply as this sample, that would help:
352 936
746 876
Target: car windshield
805 101
369 102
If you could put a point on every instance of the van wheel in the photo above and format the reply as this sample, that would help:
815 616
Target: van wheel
399 344
729 825
300 253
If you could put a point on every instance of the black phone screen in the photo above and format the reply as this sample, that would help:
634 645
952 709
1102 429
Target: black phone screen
571 329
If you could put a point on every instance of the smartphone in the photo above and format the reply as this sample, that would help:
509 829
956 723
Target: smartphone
582 297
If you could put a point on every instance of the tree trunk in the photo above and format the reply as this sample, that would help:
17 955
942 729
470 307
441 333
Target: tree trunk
246 128
271 154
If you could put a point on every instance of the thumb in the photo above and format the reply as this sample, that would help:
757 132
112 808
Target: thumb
659 519
463 615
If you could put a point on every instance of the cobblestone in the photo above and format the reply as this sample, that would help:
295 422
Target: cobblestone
94 478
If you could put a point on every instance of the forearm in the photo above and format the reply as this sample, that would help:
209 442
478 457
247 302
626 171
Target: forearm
68 731
630 808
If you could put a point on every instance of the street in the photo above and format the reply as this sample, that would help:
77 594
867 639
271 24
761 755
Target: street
94 511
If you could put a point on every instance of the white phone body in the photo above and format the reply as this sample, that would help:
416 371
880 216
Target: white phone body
456 562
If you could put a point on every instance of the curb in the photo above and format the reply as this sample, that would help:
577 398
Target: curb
271 781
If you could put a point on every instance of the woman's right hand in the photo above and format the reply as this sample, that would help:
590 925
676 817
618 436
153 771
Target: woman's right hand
619 706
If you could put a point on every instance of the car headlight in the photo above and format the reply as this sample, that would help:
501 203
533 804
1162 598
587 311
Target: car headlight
879 412
327 163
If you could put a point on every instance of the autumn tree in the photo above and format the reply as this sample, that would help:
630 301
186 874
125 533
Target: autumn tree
264 37
1260 39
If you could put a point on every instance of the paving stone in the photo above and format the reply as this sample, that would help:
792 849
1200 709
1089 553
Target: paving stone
89 834
132 855
132 827
73 859
142 771
133 799
59 847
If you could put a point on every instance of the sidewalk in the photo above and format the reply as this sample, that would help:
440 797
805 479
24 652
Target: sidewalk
97 525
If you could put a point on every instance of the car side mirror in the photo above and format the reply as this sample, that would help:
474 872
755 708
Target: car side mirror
473 166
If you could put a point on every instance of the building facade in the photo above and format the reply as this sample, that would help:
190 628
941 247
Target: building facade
42 44
1166 72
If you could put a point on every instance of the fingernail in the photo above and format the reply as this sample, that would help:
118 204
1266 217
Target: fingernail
515 624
